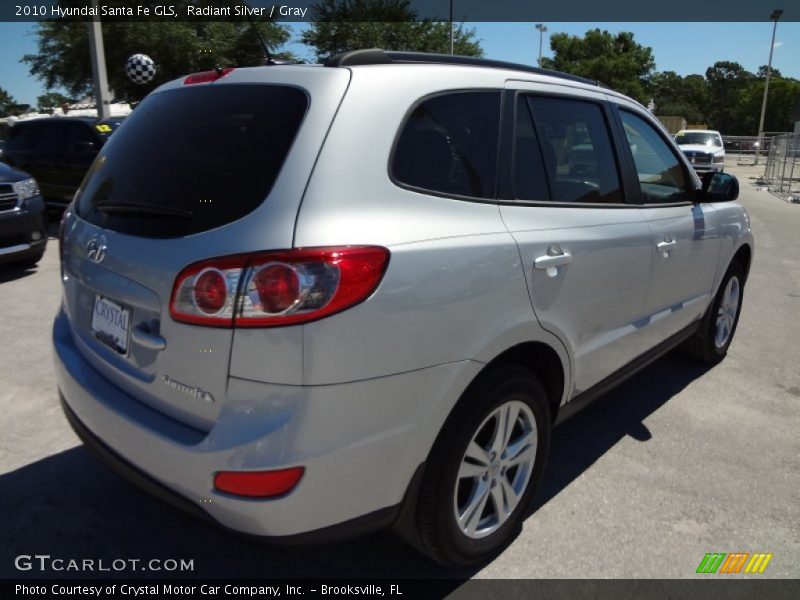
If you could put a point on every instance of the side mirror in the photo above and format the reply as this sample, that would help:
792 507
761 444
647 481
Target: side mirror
718 187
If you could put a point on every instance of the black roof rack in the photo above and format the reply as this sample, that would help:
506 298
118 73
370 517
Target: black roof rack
376 56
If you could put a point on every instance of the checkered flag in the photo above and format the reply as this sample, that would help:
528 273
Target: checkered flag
140 68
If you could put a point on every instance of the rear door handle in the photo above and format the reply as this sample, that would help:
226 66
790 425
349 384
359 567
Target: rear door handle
664 246
547 261
149 340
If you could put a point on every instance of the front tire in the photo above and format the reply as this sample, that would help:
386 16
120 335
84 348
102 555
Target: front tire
711 342
484 468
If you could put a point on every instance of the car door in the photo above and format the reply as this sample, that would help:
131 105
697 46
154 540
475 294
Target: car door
685 246
585 251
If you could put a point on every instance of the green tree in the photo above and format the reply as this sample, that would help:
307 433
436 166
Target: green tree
678 96
781 100
7 102
726 82
615 60
62 58
343 25
762 72
51 100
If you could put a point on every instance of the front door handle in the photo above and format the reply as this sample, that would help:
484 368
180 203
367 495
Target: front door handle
547 261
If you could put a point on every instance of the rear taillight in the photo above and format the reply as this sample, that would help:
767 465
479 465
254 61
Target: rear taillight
207 76
270 289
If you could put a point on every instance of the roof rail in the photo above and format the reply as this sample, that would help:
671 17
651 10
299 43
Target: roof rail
376 56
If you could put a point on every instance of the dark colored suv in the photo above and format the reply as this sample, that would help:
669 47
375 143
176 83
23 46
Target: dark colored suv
57 151
22 234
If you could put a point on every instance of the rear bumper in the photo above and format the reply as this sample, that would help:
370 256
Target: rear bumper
360 443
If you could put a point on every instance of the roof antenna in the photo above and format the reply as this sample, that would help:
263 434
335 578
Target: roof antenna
268 60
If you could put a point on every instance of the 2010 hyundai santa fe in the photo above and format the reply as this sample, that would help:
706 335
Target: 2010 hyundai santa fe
311 301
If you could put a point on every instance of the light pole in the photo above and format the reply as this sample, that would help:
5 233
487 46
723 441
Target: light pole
776 14
97 53
542 29
451 28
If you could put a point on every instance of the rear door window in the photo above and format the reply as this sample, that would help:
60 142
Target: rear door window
448 145
530 178
192 159
576 147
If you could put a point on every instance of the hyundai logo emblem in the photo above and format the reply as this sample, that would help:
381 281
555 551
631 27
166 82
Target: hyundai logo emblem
96 250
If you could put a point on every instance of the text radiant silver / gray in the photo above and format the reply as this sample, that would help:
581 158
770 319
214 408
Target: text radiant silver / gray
359 295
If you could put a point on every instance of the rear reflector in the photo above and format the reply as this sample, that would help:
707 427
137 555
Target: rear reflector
258 484
270 289
207 76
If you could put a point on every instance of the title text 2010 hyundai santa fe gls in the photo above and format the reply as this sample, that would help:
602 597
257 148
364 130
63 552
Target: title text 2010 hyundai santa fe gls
342 297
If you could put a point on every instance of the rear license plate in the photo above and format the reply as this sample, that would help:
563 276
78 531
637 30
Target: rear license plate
111 324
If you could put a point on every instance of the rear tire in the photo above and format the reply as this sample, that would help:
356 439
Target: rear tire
711 342
481 475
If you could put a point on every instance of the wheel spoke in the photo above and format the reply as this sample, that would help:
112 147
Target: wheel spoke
477 455
500 507
499 433
512 499
525 453
471 470
471 516
519 450
512 414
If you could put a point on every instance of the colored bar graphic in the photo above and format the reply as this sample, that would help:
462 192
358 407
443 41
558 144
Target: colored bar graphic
758 563
734 562
721 562
711 562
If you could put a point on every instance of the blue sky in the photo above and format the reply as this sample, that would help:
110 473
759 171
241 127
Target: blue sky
681 47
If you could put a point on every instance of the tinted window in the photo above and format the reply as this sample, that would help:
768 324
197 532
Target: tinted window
530 179
192 159
449 145
80 138
661 176
21 137
52 139
575 144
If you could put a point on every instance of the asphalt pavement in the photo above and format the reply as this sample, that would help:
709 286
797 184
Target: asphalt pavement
679 461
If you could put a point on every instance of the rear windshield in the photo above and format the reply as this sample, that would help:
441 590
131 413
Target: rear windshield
192 159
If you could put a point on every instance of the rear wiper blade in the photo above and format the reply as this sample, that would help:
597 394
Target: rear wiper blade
133 208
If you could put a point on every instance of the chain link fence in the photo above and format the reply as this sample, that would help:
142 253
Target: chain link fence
782 171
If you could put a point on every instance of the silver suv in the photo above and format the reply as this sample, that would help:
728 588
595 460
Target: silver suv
314 301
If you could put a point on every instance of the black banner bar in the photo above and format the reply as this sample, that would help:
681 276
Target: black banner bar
704 587
594 11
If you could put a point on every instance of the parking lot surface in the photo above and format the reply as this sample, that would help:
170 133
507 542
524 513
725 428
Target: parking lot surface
679 461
